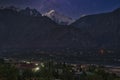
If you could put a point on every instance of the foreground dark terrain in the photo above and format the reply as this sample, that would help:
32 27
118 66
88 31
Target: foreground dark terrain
50 70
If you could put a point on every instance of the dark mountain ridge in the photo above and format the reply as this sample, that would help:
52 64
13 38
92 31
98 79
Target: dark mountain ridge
23 29
19 30
104 28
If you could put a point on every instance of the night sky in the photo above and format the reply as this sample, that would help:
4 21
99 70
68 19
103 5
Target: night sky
72 8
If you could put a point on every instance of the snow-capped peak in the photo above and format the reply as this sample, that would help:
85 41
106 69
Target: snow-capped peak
52 11
59 18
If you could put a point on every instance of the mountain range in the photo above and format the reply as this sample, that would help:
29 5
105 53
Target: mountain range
27 28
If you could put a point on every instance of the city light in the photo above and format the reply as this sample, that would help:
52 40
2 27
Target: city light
36 69
36 64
